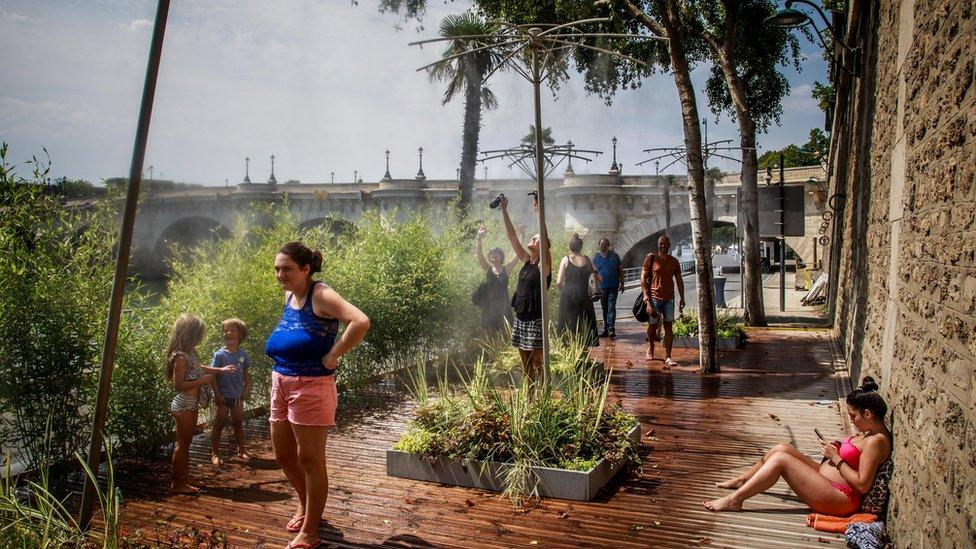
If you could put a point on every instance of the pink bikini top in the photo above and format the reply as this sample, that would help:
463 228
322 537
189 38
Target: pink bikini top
850 453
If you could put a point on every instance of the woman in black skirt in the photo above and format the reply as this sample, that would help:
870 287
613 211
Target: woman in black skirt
527 300
576 313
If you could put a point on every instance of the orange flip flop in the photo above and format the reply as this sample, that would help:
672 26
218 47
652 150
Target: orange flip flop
295 524
302 545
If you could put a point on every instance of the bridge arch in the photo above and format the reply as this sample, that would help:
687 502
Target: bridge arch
186 233
336 225
635 254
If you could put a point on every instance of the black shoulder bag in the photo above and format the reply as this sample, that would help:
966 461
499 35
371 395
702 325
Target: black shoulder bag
480 296
640 307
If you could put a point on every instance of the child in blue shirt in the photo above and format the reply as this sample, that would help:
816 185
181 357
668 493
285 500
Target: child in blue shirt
231 389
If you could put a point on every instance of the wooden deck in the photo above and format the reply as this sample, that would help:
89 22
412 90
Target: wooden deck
698 430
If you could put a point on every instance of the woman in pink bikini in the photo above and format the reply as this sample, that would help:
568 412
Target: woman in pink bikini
835 485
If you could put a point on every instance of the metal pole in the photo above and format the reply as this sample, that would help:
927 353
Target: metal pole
122 261
782 235
540 188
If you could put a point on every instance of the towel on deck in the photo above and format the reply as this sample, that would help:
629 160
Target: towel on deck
838 525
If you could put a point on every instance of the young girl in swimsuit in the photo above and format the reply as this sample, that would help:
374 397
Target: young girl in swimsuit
834 486
189 378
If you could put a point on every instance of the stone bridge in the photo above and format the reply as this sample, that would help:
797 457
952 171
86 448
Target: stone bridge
628 209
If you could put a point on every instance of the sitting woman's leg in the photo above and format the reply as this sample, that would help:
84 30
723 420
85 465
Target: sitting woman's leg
811 487
781 447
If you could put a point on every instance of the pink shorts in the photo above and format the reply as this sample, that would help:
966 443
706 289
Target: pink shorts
304 400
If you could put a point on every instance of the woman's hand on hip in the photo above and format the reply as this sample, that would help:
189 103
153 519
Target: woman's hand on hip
330 361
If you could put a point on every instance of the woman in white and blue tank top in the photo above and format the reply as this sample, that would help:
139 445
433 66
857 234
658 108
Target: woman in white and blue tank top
306 354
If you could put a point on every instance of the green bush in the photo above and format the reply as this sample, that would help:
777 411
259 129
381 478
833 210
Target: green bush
415 441
55 277
727 326
413 279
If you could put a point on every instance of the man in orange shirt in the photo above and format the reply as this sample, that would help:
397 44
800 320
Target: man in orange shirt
660 274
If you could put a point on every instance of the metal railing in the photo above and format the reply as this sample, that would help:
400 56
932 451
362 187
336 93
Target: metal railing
632 274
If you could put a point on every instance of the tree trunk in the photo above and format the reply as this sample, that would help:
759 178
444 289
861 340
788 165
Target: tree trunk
708 358
754 313
470 134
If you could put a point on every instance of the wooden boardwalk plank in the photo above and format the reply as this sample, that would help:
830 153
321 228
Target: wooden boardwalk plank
705 429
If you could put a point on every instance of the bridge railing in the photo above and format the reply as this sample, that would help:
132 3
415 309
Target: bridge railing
632 277
632 274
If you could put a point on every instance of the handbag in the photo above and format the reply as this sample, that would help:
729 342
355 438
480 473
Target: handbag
640 309
596 292
641 314
480 295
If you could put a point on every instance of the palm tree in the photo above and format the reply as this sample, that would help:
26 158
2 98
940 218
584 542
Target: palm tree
529 138
466 73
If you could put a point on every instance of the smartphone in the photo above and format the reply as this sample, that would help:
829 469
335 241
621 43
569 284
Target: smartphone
820 436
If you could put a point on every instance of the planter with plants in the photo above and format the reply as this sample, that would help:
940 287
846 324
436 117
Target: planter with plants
567 442
729 332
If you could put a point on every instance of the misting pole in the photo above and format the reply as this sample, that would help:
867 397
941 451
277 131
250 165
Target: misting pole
540 189
122 262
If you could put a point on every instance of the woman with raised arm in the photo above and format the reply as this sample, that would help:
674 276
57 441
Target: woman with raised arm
496 310
306 355
527 300
835 485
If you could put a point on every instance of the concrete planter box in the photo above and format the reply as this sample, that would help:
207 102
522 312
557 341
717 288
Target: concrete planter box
691 342
552 483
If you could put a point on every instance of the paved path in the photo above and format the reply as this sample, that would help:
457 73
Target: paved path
698 430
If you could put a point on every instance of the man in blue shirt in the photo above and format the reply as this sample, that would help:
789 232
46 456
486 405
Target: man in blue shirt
609 265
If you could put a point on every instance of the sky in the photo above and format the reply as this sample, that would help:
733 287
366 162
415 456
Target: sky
324 85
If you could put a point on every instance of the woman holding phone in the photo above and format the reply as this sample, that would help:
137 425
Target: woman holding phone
835 485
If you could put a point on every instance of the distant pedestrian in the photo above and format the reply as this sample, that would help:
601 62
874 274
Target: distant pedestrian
231 389
576 314
306 356
193 383
611 270
527 300
492 295
660 273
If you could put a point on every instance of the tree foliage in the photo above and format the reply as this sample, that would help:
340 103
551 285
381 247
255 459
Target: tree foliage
825 95
464 73
758 52
55 278
529 138
809 154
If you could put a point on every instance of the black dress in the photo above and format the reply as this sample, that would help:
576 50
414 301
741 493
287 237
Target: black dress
497 310
576 313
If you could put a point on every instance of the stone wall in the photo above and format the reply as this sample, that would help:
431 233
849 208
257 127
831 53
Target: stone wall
905 305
